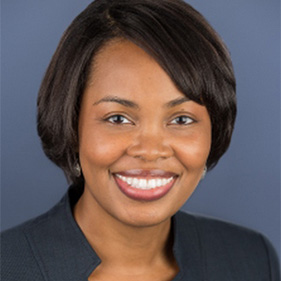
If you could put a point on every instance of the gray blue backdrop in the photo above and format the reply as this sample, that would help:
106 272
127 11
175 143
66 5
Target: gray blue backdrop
244 188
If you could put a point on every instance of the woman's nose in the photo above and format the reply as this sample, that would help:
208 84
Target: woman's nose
150 146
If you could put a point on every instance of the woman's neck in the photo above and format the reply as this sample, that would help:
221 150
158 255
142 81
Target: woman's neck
121 245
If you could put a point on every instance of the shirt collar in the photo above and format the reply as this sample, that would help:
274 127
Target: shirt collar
64 251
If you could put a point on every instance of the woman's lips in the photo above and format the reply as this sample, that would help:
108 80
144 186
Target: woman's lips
146 185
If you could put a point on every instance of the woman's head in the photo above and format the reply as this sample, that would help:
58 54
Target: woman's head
176 36
143 145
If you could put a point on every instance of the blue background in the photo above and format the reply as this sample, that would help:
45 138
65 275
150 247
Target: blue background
244 188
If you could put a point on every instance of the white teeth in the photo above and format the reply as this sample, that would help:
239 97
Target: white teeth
135 181
152 183
144 183
159 182
129 180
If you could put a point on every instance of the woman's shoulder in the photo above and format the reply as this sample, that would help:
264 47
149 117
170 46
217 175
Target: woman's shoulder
212 226
18 255
226 243
39 249
219 229
213 231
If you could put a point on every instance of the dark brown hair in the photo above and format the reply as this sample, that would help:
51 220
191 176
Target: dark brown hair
172 32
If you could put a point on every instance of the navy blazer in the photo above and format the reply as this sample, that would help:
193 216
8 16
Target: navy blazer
53 248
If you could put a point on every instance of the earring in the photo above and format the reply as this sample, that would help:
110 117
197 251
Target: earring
204 173
77 170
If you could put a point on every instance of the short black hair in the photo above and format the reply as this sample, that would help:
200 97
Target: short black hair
177 36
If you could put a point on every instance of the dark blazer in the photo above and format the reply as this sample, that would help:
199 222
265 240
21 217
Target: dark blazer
52 247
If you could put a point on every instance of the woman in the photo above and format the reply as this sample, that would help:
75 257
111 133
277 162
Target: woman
137 104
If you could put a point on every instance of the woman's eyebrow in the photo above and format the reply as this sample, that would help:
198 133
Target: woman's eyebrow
116 99
132 104
177 101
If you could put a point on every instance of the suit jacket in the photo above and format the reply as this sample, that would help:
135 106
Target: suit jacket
52 247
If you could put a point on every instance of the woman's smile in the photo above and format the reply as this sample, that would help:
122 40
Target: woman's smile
143 145
145 185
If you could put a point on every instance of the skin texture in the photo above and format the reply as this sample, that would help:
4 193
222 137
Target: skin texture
131 236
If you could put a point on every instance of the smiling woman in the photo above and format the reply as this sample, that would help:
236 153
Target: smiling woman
136 105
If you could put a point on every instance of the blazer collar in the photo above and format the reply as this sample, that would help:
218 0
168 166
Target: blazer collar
62 249
187 247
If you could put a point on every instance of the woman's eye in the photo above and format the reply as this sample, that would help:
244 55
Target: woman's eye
118 119
182 120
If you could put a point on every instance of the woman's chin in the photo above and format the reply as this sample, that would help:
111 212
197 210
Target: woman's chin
144 218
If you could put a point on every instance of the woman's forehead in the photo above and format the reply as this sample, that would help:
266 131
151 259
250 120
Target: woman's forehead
125 70
119 55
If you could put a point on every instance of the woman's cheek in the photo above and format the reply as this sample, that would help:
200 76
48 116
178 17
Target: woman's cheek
193 151
102 147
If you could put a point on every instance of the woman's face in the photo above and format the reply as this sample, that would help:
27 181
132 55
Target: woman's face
142 145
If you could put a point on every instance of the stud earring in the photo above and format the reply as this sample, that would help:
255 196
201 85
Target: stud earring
77 169
204 173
